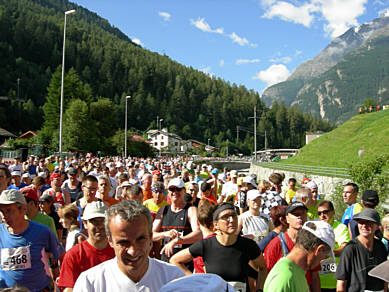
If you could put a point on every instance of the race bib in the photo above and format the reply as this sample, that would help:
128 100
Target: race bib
328 266
13 259
238 286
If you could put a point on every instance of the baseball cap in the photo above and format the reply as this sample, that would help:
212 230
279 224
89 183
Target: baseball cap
370 196
30 193
250 180
311 185
156 172
177 182
72 171
26 175
46 198
94 210
8 197
204 165
197 282
234 173
381 271
55 175
369 215
294 206
253 194
42 174
125 184
16 172
214 171
323 231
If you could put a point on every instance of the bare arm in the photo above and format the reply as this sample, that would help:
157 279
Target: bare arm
240 225
341 285
181 258
260 263
68 290
315 286
339 250
66 196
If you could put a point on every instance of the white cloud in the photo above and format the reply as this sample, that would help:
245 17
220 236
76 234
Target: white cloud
288 12
339 15
221 63
298 52
274 74
207 70
241 40
202 25
284 60
137 41
165 15
246 61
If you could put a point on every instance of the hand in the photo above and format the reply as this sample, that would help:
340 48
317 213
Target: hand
173 233
168 248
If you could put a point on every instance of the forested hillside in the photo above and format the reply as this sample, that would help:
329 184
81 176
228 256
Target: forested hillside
103 66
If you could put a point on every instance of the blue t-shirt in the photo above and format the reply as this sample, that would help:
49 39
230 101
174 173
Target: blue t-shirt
29 266
13 187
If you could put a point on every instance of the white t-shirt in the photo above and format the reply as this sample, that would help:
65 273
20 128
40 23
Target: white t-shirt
107 277
71 239
255 225
229 188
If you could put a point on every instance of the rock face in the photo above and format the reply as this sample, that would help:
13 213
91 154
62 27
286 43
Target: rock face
319 85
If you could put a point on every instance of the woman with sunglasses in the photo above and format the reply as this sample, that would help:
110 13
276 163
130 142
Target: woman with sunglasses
227 254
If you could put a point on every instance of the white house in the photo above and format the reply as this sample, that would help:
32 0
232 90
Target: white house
164 140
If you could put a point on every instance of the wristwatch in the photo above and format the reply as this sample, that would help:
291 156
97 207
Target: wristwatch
180 240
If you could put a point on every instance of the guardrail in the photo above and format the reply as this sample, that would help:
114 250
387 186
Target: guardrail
308 169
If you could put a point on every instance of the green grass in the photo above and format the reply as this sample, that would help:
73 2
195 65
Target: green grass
340 147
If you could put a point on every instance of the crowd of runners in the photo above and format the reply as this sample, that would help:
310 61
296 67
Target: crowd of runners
171 224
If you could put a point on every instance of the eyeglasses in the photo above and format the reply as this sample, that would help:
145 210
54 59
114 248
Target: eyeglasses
175 189
192 190
325 212
226 217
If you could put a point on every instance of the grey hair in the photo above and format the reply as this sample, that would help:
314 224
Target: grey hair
303 192
128 210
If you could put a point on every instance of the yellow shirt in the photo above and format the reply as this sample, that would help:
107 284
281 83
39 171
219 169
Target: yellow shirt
153 207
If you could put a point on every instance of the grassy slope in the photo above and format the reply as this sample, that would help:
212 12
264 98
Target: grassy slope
340 147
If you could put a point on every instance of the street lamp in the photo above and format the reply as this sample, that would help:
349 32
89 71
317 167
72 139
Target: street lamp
125 129
159 128
63 72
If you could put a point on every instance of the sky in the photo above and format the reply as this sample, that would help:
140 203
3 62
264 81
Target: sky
255 43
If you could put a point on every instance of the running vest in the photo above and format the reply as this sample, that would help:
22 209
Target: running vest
178 221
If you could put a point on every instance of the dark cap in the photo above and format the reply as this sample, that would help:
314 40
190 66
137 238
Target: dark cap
370 196
294 206
72 171
46 198
369 215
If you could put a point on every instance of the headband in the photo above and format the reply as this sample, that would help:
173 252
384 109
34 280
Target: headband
220 208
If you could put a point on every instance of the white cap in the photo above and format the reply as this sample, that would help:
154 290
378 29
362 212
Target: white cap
253 194
323 231
119 164
249 180
204 165
311 185
16 172
197 282
94 210
234 173
8 197
26 175
42 174
177 182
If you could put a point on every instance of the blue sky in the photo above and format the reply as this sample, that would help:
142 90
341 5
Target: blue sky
255 43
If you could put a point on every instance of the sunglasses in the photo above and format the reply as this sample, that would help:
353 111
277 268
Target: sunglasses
175 189
325 212
228 216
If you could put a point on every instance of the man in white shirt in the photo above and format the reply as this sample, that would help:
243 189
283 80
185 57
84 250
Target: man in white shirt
129 229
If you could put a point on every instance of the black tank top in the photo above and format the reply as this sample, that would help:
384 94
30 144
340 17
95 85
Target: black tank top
179 221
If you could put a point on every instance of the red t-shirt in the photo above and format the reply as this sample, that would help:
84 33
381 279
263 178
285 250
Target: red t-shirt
273 253
210 198
198 262
80 258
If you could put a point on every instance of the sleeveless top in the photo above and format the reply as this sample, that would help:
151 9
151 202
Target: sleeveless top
74 194
179 221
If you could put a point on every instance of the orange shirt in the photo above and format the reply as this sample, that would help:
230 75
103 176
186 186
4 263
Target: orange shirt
147 193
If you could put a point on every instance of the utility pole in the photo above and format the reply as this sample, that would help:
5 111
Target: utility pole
18 88
265 140
255 132
237 133
227 148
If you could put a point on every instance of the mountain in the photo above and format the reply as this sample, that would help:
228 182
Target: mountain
336 82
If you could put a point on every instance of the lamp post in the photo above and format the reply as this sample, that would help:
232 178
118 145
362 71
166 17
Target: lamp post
160 128
125 128
62 78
